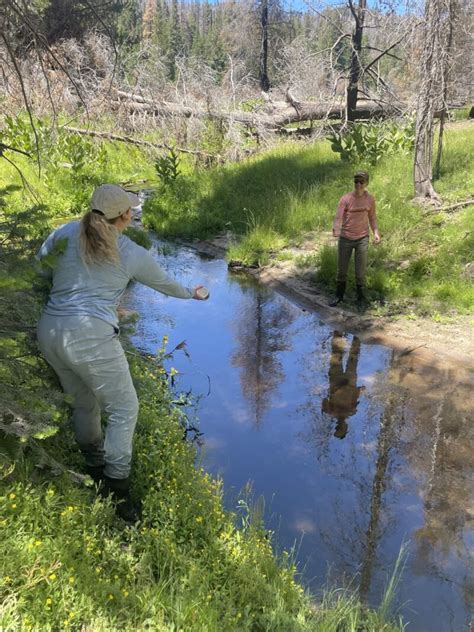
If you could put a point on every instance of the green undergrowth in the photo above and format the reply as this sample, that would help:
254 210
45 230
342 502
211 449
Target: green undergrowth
274 199
68 563
67 169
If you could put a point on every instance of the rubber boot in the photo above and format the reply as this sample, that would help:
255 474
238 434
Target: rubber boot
119 489
96 472
340 290
361 299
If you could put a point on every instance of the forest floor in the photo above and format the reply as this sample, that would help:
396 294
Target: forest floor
445 342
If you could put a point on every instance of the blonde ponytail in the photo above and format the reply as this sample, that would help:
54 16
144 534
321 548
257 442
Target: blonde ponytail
98 239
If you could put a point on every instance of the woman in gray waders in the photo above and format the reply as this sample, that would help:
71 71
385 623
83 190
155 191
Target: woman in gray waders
78 332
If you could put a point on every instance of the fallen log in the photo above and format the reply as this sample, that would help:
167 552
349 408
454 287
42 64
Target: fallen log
136 141
450 207
282 114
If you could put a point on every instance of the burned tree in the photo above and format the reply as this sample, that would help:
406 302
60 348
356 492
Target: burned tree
355 70
263 70
436 29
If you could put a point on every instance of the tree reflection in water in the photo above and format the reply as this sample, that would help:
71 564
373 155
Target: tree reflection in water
418 449
439 448
261 328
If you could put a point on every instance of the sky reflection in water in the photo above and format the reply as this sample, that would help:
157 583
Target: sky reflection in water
354 451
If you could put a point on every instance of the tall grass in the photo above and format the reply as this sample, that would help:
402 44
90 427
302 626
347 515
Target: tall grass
275 198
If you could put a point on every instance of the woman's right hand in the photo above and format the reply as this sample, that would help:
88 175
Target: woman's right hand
200 293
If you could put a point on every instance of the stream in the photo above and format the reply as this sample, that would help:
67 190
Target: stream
351 450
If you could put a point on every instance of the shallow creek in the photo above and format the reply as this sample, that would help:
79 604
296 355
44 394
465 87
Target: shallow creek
354 450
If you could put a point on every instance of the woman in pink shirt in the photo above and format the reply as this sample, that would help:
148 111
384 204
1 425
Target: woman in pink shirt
355 211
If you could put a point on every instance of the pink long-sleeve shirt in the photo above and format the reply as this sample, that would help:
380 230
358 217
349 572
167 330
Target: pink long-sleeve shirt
354 213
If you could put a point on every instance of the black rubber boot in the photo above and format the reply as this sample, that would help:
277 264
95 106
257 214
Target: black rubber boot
340 290
96 472
361 298
119 489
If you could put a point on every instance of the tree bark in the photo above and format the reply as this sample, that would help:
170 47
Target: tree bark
445 80
135 141
431 77
356 67
282 114
264 80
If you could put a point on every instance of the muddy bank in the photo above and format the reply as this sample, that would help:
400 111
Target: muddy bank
440 345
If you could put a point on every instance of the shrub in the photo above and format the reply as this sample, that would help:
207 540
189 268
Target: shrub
167 168
369 142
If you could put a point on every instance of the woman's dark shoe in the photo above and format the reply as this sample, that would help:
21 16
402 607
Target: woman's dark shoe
119 489
340 291
361 298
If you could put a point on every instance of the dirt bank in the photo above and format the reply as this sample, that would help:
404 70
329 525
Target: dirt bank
444 345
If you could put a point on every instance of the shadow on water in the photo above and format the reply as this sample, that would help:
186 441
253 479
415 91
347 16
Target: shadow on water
356 449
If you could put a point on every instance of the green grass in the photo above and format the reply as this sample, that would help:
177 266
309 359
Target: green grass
272 199
67 563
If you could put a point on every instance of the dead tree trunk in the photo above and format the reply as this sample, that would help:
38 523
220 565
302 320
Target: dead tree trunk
429 92
356 67
274 116
445 80
264 80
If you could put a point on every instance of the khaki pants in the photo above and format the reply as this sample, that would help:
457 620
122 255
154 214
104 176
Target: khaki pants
91 365
345 248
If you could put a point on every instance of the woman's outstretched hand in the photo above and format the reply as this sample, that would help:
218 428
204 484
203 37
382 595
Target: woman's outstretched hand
200 293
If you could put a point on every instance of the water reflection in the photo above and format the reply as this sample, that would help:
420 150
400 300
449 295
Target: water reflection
283 384
343 397
259 342
386 442
439 446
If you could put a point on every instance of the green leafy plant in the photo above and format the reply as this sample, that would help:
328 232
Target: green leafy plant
18 132
252 105
369 142
167 168
139 236
78 154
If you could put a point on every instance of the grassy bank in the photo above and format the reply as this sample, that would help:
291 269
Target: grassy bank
275 199
67 561
68 564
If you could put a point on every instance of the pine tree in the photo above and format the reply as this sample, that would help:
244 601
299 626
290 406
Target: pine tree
175 41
